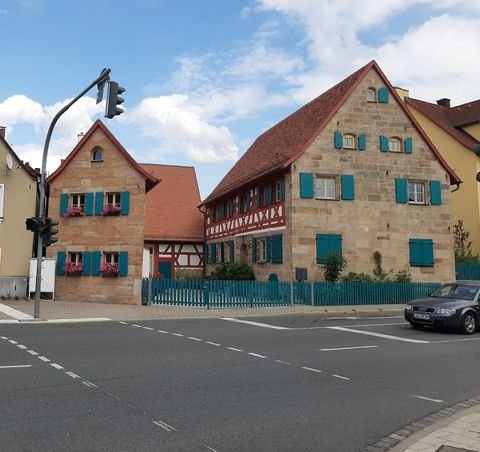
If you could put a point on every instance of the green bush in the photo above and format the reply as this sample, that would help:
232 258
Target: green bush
233 271
333 266
352 276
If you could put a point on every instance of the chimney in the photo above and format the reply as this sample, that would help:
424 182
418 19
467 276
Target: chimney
444 102
80 136
2 132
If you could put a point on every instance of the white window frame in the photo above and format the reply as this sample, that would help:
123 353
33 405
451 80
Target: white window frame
261 250
111 257
76 257
394 144
113 198
78 200
322 190
96 153
371 95
349 141
417 194
2 195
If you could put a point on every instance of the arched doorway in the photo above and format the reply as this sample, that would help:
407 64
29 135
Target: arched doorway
243 253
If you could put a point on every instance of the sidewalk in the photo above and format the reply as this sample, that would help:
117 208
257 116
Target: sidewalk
454 429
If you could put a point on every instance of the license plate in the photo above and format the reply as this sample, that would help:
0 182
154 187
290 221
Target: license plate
421 316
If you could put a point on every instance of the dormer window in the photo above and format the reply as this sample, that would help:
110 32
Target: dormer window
371 95
97 155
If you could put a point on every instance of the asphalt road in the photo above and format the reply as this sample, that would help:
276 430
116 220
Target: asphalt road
289 383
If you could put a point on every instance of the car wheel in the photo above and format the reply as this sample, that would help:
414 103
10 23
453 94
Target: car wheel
469 323
417 326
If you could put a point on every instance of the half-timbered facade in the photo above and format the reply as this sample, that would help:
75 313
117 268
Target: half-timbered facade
174 227
351 172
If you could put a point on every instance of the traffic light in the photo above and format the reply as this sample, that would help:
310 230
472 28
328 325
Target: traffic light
49 232
35 224
114 100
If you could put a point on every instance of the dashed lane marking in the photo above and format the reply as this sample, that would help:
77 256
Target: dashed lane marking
32 352
43 358
165 426
234 349
279 361
22 347
257 355
57 366
428 399
341 377
213 343
312 370
72 374
195 339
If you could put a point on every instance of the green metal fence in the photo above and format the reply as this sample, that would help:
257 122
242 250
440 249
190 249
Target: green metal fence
467 271
230 294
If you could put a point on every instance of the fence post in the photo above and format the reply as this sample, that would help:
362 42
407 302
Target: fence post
149 292
291 293
312 294
205 294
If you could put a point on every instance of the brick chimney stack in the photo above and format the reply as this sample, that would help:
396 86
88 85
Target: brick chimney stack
444 102
2 132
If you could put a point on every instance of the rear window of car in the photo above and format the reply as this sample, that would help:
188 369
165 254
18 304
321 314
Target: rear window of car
458 291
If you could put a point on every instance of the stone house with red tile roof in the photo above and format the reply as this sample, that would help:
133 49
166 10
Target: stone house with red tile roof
98 194
455 132
174 227
352 172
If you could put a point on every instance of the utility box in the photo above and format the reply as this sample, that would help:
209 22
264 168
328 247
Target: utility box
300 274
47 286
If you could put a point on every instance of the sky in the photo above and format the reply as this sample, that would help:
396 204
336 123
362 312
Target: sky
204 78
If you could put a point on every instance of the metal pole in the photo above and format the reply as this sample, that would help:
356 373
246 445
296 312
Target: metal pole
104 76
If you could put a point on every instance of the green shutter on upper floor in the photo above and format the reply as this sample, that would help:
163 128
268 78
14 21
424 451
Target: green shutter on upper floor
88 210
348 187
282 188
87 263
96 262
99 202
268 194
401 191
63 204
384 143
257 197
124 202
435 193
362 142
123 263
306 185
61 258
383 95
338 139
408 145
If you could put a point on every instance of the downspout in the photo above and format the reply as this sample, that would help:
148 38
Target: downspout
204 212
456 189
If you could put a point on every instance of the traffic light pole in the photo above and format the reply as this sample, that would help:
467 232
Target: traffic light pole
100 81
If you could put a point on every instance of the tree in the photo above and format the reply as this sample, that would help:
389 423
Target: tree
333 266
463 246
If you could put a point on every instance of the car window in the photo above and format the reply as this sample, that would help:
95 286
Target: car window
459 291
465 292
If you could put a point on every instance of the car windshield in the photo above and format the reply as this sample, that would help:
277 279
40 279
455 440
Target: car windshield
458 291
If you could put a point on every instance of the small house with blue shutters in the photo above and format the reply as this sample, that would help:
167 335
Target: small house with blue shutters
98 196
350 172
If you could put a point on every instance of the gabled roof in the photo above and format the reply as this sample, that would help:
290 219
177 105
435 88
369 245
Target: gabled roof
33 173
449 119
150 181
171 212
280 146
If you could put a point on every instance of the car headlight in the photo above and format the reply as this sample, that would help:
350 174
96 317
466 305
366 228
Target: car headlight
446 311
408 307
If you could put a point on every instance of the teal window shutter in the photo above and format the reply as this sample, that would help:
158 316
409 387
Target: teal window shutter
87 263
222 252
268 241
232 251
88 210
99 202
63 204
282 188
257 197
408 145
383 95
96 262
123 263
213 253
383 143
248 200
327 243
421 253
338 139
362 142
277 248
61 258
435 193
268 194
348 187
205 254
125 202
254 250
401 191
306 185
230 207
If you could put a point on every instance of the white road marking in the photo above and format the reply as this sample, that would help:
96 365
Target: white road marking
136 326
312 370
3 337
235 349
257 355
23 347
347 348
14 313
351 326
113 395
89 384
32 352
341 377
161 331
15 367
80 320
165 426
427 398
208 447
283 362
72 374
148 328
57 366
178 334
248 322
457 340
12 342
42 358
213 343
123 323
195 339
384 336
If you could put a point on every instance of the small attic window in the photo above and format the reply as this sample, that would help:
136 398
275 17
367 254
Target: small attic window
97 155
371 95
